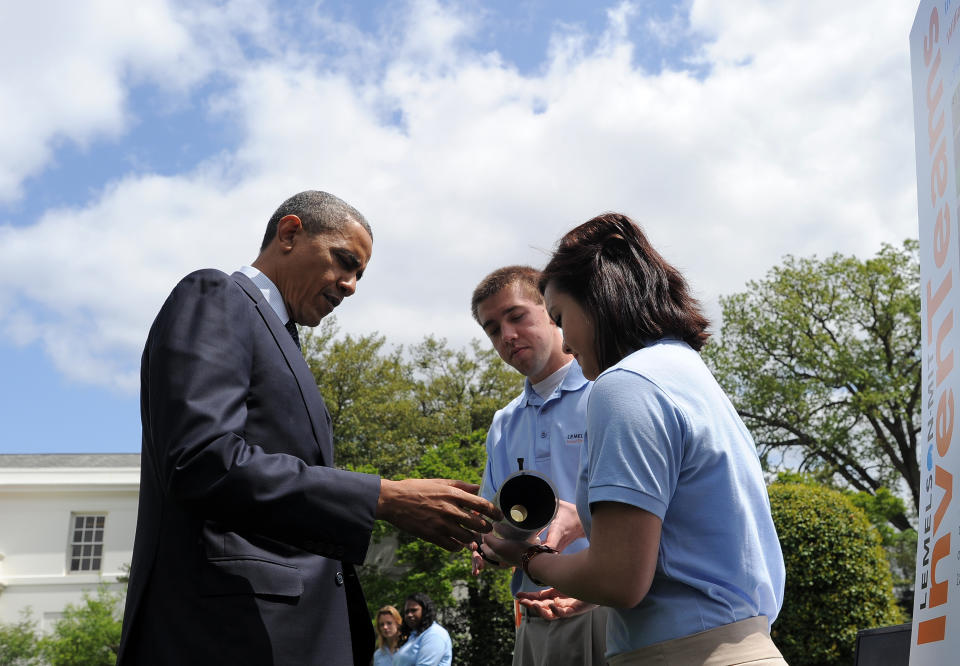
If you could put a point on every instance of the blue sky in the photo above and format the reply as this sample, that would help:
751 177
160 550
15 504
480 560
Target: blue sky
143 140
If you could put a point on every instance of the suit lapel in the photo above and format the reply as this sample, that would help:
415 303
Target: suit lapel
312 400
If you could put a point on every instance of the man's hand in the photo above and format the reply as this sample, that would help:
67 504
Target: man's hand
551 605
441 511
565 528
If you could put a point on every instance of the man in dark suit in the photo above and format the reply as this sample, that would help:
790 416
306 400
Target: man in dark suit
247 535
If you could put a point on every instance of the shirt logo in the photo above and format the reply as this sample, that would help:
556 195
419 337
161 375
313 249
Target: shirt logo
575 438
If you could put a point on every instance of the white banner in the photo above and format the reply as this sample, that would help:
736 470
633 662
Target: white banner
935 62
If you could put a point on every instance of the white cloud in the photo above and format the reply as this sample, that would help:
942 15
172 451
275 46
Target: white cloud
76 62
798 140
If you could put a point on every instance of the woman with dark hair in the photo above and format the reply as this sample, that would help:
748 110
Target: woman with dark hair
429 644
389 637
671 492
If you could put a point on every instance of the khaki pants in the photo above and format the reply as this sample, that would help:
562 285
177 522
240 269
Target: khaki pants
743 642
574 641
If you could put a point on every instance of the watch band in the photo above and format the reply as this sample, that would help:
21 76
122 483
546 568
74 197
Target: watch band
528 555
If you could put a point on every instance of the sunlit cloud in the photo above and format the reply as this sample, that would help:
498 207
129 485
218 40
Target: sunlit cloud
792 134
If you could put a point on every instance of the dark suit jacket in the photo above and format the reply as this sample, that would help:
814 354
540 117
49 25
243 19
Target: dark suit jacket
245 534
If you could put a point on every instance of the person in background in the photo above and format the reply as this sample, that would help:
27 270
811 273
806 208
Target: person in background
671 494
544 426
387 625
429 644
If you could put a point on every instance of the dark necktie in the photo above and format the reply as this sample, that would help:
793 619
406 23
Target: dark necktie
292 330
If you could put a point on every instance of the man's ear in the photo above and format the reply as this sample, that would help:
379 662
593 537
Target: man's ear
287 229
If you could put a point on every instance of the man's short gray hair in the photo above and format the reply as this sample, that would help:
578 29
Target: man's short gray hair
318 211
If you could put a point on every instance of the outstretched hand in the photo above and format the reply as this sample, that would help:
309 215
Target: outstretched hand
445 512
565 528
552 605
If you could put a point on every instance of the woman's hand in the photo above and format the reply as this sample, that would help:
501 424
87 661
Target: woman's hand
481 557
552 605
505 551
615 570
476 558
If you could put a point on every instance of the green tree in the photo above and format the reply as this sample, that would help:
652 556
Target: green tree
421 412
837 575
388 406
822 360
88 634
458 391
481 622
18 641
369 392
478 611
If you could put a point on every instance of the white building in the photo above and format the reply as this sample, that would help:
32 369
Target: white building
66 525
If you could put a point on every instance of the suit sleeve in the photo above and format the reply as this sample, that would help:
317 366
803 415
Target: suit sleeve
199 368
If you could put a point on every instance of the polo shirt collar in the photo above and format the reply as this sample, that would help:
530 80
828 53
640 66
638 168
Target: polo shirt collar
573 381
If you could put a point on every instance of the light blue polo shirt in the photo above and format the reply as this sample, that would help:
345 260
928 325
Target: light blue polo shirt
663 436
433 646
548 434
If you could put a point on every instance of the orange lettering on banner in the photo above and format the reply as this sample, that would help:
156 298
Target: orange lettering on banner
933 36
944 427
931 631
938 591
945 481
944 364
936 300
932 104
941 235
938 172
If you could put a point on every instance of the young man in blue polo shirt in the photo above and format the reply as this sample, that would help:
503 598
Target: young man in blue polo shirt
545 426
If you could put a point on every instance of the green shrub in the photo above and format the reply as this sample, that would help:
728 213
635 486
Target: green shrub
88 634
18 641
838 576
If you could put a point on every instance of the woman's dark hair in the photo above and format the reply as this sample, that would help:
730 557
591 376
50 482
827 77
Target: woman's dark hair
630 293
427 615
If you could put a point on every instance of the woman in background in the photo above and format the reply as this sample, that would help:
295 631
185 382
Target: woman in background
389 638
429 644
671 492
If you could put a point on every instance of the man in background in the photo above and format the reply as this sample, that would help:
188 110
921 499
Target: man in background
545 427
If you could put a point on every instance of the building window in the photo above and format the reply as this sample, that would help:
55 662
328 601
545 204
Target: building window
86 542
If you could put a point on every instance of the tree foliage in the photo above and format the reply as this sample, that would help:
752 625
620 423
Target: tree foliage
477 611
837 576
420 412
822 360
389 406
18 641
882 508
88 633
